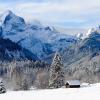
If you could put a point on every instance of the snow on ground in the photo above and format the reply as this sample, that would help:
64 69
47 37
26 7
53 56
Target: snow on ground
86 92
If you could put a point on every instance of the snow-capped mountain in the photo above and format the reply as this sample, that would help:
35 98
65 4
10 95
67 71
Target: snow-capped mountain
87 34
11 23
82 60
89 45
38 39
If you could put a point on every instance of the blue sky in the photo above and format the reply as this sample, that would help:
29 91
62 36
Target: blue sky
61 13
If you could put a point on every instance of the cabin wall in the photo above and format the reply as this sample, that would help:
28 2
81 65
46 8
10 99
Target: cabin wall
72 86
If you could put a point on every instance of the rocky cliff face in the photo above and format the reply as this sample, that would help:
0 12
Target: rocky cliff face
36 38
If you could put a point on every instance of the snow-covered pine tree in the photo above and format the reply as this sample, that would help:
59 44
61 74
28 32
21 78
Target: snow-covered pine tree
2 87
56 72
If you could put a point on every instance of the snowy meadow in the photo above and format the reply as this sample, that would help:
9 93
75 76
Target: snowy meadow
86 92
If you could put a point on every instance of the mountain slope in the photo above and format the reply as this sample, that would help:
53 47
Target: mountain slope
12 51
82 60
36 38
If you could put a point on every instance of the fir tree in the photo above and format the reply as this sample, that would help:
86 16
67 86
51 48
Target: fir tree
2 87
56 72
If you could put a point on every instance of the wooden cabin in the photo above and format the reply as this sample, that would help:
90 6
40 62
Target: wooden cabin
73 84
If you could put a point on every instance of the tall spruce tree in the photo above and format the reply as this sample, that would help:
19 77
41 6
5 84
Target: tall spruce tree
56 72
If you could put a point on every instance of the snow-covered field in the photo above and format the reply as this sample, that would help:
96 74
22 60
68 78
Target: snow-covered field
91 92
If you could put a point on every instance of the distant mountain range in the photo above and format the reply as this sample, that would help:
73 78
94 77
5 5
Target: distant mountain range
87 45
82 59
21 40
33 41
41 41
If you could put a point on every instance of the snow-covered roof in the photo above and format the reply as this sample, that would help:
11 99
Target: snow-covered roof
73 82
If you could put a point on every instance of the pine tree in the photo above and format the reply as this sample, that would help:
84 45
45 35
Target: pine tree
25 84
2 87
56 72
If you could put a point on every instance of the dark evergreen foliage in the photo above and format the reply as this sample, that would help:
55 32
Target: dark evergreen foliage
56 72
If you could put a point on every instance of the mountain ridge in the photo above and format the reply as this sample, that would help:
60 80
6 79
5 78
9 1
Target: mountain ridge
39 40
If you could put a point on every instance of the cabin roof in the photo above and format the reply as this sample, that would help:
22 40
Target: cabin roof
73 82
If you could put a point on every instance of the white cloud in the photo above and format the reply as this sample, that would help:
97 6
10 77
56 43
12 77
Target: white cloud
76 11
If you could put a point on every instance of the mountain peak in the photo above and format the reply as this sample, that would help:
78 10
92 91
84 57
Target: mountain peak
8 12
4 15
87 34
